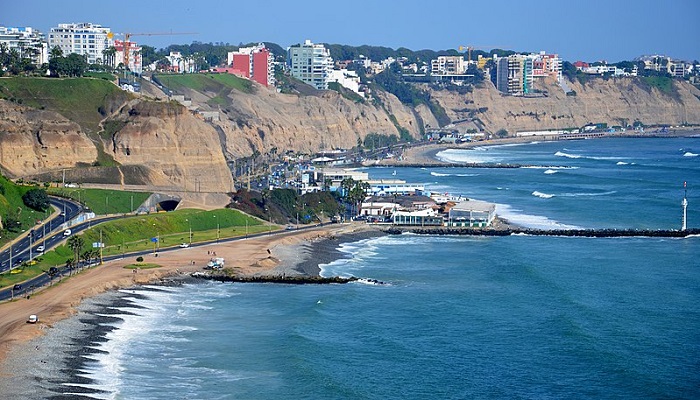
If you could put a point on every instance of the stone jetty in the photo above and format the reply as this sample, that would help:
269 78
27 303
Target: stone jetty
291 279
600 233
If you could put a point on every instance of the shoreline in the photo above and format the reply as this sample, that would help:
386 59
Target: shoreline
39 355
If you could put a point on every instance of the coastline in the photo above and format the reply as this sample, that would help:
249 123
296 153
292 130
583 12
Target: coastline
43 355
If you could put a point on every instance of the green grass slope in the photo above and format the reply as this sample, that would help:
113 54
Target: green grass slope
85 101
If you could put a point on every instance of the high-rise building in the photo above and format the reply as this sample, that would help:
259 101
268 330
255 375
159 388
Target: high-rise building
135 62
514 74
85 39
310 63
254 63
28 42
448 65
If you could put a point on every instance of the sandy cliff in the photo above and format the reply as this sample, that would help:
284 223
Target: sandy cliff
164 145
32 141
615 101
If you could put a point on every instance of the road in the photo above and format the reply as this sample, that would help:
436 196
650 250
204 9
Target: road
28 287
25 248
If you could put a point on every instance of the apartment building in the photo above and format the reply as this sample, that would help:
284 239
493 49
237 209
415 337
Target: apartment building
514 74
254 62
311 63
28 42
85 39
135 60
448 65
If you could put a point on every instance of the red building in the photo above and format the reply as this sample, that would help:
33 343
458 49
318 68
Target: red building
254 63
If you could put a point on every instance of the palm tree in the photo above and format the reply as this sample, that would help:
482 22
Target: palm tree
75 243
109 55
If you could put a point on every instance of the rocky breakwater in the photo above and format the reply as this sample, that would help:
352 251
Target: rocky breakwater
33 141
508 231
287 279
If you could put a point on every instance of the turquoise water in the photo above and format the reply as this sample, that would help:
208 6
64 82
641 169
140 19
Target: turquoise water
510 317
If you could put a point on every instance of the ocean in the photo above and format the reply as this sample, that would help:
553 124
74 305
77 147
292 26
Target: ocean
457 317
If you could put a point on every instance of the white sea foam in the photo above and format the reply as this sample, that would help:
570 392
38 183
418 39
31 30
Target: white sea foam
433 173
689 154
567 155
622 163
542 195
588 194
517 217
551 171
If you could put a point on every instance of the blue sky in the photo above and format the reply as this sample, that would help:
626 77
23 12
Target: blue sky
589 30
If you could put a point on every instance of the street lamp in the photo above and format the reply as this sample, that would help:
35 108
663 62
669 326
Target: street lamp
217 229
190 225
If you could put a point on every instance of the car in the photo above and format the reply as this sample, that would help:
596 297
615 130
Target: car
53 271
33 319
17 287
67 232
184 245
40 249
289 227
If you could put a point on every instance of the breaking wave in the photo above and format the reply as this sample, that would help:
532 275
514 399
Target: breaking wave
542 195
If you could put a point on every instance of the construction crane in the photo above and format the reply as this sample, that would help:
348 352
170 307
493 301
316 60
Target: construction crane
127 42
470 48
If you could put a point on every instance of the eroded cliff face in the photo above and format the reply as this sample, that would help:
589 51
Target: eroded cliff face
616 102
179 149
267 120
164 145
33 141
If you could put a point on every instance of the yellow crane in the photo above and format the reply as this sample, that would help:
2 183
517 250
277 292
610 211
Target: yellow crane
470 48
127 41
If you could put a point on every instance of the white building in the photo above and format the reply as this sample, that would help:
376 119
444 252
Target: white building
390 187
347 79
85 39
311 63
448 65
472 213
180 63
28 43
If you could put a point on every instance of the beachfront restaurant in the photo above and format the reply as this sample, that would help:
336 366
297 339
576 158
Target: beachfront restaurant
425 217
472 213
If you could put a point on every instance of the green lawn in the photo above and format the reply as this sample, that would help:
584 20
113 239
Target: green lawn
11 204
214 83
79 99
134 234
104 201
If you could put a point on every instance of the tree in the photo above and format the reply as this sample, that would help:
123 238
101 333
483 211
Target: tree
36 199
75 243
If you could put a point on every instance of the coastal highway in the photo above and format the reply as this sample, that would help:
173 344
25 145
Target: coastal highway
28 287
40 235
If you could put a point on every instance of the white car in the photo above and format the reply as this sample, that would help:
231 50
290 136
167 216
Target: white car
33 319
184 245
67 232
40 249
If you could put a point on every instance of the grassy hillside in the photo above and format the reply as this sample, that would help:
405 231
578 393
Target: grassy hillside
16 217
104 201
217 84
85 101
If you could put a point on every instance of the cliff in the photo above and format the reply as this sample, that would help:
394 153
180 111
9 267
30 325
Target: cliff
619 101
33 141
163 145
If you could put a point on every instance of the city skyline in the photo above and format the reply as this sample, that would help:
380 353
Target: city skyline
589 31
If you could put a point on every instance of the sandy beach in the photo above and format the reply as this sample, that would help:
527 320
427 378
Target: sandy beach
22 361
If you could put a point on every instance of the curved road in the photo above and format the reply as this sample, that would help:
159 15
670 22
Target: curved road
28 287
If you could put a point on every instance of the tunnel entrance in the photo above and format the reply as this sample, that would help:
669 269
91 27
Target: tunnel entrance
167 205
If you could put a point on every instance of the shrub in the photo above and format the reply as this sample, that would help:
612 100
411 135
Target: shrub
139 259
